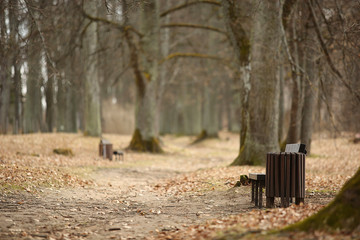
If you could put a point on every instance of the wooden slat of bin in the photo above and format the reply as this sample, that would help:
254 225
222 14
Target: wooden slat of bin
267 174
277 180
288 175
298 176
272 175
293 175
282 175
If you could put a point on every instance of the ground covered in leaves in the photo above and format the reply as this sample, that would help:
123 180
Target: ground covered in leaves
186 193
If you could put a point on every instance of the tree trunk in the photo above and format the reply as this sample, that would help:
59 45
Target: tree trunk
281 102
92 118
61 104
33 119
293 134
145 137
210 119
5 78
210 115
238 24
262 135
50 103
17 125
311 86
341 214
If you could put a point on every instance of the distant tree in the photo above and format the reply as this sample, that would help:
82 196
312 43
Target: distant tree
92 112
5 73
33 118
145 137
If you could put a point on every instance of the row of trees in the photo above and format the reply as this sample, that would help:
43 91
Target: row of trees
268 69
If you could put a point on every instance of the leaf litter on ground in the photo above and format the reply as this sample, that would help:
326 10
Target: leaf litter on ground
28 163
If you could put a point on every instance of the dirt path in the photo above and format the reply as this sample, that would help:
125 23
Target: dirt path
124 205
141 196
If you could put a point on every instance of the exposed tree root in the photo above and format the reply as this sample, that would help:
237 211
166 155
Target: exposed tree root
341 214
139 145
203 136
253 154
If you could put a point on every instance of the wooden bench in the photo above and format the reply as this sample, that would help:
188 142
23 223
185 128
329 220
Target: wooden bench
118 154
257 185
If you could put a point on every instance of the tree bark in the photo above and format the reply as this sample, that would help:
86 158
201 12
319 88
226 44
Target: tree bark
311 86
145 137
238 24
33 120
262 135
92 113
293 134
5 79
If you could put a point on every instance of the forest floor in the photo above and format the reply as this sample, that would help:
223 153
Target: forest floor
186 193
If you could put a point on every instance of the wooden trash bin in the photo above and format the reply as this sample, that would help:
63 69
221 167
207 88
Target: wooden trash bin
106 149
285 178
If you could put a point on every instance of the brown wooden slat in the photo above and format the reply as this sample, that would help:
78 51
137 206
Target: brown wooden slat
298 175
293 174
288 177
282 174
277 180
304 174
272 177
267 174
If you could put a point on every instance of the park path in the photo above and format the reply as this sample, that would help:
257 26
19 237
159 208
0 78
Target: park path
123 203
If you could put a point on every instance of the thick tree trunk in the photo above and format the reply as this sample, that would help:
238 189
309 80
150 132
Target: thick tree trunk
293 134
238 24
50 103
210 115
311 88
145 137
5 78
17 125
61 104
281 102
341 214
5 97
92 118
262 135
33 119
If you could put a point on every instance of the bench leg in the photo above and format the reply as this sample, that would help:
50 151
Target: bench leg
270 202
256 193
252 190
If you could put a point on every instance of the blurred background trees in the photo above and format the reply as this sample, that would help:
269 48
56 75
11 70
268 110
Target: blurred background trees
274 72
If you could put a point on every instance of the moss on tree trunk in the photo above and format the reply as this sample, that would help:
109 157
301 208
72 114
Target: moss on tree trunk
252 154
140 145
341 214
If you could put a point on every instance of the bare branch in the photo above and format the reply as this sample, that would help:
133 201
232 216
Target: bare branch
186 25
193 55
187 4
116 25
326 52
46 48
